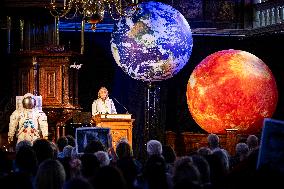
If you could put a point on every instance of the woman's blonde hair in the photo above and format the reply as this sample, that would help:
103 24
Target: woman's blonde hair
102 89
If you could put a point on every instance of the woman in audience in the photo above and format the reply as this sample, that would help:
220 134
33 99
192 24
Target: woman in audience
203 167
126 162
186 174
170 157
154 174
241 154
50 175
44 150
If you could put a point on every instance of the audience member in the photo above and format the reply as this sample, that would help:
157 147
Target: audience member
204 151
186 174
89 165
154 147
26 161
43 149
71 140
108 177
213 142
154 174
61 143
252 142
67 151
103 158
23 143
204 168
127 163
94 146
50 175
170 157
77 183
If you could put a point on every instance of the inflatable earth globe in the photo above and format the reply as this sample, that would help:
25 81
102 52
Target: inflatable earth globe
231 89
152 44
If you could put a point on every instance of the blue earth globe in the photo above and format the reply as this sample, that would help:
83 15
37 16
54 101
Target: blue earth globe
152 44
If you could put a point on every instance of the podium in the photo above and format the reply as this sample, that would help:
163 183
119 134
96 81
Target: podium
120 126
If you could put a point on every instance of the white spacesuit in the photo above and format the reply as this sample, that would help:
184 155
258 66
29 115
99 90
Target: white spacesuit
27 122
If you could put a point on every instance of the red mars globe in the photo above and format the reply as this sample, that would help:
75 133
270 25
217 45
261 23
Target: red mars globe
231 89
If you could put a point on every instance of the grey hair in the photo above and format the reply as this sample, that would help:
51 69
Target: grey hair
213 140
67 150
252 141
242 148
154 147
103 158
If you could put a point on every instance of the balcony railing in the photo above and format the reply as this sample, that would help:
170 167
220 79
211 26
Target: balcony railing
268 13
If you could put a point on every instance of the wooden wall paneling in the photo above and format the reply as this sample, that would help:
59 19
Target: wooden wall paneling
50 82
25 81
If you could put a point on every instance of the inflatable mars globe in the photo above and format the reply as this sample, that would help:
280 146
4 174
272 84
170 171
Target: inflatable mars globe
231 89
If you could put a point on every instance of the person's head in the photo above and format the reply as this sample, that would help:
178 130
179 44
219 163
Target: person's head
61 143
50 174
89 165
204 151
29 101
108 177
103 93
23 143
94 146
252 141
154 147
203 167
26 160
71 140
67 151
213 141
185 172
169 154
123 149
242 149
43 149
103 158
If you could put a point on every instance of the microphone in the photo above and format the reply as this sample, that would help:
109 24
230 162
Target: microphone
121 105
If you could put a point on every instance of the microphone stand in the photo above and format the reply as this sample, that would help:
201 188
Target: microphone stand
121 105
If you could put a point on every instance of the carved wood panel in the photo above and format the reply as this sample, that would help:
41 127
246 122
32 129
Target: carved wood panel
50 81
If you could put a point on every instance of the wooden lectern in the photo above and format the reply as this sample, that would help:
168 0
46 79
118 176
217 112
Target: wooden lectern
120 126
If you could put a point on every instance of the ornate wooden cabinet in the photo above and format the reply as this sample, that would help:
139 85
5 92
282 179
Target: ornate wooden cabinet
50 75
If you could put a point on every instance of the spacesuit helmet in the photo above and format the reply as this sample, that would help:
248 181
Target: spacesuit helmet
29 101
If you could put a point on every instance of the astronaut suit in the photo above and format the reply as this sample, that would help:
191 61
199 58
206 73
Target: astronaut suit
27 122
